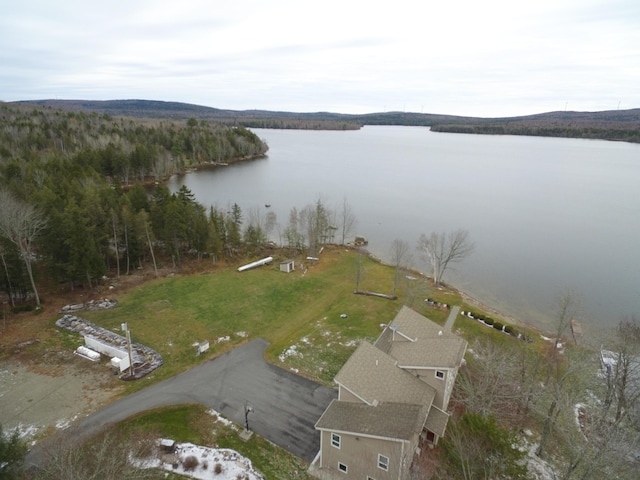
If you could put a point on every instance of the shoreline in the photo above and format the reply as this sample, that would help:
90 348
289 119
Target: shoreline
468 298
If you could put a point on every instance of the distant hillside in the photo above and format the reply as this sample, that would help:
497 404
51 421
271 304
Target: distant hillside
621 125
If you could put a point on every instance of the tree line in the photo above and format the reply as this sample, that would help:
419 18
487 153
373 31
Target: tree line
123 149
622 133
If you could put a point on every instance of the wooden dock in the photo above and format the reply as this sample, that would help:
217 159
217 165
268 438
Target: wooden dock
576 331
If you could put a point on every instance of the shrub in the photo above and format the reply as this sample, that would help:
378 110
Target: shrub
25 307
190 463
217 469
488 321
498 326
508 329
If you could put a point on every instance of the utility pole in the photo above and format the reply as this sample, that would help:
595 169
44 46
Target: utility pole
130 352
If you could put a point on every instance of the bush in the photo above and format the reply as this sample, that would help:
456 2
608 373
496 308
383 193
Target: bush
498 326
488 321
190 463
25 307
217 469
509 329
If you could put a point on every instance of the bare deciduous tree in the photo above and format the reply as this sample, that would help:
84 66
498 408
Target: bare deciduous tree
21 223
347 219
315 221
108 458
568 308
270 223
489 384
6 271
625 373
562 398
440 249
401 258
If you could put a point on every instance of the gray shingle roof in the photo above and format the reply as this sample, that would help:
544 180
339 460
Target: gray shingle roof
374 376
437 421
396 404
387 420
432 346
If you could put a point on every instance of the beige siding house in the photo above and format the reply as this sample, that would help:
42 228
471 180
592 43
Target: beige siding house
390 395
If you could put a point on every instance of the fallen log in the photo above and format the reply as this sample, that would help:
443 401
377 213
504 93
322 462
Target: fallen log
375 294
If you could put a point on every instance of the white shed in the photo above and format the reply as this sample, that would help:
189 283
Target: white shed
287 266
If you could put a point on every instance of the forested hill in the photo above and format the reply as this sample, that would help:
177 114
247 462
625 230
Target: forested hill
76 198
121 148
621 125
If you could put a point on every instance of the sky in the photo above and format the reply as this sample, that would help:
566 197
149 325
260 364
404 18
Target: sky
486 58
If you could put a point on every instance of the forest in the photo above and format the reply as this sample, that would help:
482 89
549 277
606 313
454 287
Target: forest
615 125
82 193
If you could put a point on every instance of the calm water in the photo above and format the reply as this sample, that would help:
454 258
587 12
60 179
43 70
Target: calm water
545 214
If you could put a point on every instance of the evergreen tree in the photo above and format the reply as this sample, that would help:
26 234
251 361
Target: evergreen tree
12 453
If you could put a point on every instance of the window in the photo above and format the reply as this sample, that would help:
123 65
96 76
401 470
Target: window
342 467
383 462
439 374
335 440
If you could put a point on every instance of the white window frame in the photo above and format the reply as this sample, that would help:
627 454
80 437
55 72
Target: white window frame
343 470
383 465
441 374
336 441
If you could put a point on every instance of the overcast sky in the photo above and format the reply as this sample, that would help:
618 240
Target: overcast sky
468 57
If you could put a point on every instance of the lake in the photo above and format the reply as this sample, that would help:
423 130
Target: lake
545 214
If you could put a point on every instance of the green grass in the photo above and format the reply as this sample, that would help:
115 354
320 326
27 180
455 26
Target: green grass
170 314
183 423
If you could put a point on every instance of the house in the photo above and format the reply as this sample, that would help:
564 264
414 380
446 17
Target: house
392 398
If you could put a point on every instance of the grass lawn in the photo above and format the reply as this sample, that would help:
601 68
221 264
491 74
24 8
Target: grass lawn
300 310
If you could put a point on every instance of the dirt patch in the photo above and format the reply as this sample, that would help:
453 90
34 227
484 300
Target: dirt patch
40 398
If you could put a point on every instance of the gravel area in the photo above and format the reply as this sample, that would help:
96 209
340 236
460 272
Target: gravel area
38 399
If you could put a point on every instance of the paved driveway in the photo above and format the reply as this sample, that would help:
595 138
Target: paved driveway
286 406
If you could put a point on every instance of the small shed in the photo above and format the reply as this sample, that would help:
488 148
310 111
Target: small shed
167 445
287 266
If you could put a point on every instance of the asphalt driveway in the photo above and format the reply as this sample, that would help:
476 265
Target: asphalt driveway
285 406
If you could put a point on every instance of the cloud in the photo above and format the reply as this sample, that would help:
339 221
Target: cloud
477 58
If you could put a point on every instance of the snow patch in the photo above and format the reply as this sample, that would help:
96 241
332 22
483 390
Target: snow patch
292 351
537 467
221 419
207 463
